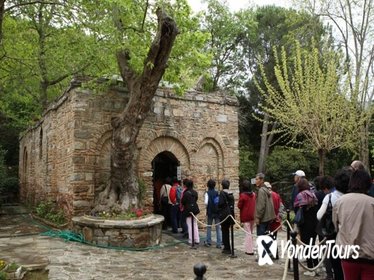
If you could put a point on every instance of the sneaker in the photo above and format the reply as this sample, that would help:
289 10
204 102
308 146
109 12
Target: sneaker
206 244
310 273
227 252
218 246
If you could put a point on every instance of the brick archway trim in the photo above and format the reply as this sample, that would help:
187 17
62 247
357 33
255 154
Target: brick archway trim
159 145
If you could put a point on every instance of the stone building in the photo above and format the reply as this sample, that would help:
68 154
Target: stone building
65 157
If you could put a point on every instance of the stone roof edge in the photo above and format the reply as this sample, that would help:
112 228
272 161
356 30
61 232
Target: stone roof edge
218 97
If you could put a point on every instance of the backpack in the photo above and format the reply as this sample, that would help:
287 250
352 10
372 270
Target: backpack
213 202
327 226
192 205
179 194
228 207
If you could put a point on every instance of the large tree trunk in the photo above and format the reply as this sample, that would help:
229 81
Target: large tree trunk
321 158
266 140
122 191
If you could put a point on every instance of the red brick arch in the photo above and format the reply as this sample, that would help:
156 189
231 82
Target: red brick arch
159 145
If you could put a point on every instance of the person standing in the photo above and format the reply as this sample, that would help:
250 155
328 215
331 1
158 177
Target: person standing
226 208
247 207
189 201
353 216
165 202
183 218
325 189
174 208
211 200
299 174
277 222
341 181
264 206
307 202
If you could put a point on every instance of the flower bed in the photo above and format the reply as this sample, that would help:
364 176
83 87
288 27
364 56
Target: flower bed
142 232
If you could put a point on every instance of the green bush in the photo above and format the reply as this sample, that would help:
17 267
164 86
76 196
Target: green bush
48 210
247 163
283 161
9 184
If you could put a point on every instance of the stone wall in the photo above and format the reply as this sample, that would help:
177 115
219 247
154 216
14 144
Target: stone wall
66 156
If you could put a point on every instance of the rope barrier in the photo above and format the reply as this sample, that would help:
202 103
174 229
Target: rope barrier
287 223
71 236
285 269
322 259
236 222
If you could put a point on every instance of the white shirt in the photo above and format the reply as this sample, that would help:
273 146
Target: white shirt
334 198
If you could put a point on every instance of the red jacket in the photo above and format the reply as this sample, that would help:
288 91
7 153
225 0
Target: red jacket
276 202
247 206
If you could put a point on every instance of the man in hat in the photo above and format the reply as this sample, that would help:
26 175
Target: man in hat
297 176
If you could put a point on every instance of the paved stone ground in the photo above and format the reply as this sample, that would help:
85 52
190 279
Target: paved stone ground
21 242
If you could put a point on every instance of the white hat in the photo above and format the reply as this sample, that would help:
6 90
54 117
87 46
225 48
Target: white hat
267 184
299 173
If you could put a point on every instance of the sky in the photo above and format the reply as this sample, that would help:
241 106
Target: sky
236 5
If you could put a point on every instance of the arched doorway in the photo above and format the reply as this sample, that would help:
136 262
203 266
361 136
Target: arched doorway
163 165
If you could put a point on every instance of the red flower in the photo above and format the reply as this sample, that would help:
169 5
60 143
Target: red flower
139 212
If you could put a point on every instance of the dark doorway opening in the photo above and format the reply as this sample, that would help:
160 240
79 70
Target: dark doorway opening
163 165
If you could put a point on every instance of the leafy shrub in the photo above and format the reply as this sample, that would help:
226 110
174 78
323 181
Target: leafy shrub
48 210
247 163
9 184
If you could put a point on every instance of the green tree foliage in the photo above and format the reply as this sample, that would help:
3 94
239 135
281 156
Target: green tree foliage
45 43
227 29
276 27
310 102
283 161
247 162
354 31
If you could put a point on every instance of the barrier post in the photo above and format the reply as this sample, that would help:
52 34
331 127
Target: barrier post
288 233
199 269
295 260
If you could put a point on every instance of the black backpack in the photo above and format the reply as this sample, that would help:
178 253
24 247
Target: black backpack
213 200
327 226
227 207
192 205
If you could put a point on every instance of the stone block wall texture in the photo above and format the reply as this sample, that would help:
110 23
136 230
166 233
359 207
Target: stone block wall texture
66 156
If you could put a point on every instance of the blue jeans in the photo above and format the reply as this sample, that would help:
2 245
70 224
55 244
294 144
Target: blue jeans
174 218
262 228
209 230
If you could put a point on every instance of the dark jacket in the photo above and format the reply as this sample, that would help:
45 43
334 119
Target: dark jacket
189 202
247 206
211 208
226 205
